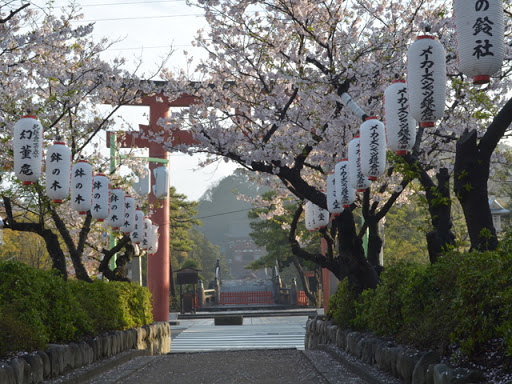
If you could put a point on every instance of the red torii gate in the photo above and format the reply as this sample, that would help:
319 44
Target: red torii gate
158 276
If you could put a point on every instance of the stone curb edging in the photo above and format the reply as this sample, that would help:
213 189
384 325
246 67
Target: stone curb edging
411 366
58 359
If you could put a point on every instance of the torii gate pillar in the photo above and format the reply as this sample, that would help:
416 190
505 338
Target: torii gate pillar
158 276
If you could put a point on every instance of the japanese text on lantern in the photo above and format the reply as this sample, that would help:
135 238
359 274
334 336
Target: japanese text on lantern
55 158
96 188
361 178
113 207
335 202
481 28
403 113
79 172
127 207
374 150
427 86
27 151
344 185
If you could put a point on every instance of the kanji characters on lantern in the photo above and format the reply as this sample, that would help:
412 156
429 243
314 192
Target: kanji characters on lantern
28 149
356 178
116 217
333 204
100 197
58 172
81 187
399 124
372 143
147 226
345 194
426 80
138 228
129 215
480 32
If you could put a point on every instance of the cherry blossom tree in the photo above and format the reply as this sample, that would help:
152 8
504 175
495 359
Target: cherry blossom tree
270 99
53 69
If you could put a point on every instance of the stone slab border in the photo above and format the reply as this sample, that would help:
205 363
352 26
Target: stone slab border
408 365
59 359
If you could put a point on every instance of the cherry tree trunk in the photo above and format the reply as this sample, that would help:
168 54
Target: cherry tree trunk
440 208
352 262
375 243
470 185
55 251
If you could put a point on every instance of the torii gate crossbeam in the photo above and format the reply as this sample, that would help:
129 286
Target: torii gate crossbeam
158 276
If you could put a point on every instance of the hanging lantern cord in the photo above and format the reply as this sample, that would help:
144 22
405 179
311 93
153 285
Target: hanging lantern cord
347 100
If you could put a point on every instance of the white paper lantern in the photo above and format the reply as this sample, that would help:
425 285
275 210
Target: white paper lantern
426 80
28 149
480 32
153 240
333 205
321 217
100 197
138 228
143 185
81 187
345 194
399 124
161 187
116 218
308 214
58 172
129 215
372 144
356 179
147 226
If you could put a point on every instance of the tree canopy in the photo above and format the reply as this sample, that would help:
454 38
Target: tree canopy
276 73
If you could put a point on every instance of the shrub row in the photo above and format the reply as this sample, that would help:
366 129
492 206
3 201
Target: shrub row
463 299
37 307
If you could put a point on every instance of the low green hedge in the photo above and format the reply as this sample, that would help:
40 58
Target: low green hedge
464 298
37 307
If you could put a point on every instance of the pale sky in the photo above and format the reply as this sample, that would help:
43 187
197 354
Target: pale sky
147 30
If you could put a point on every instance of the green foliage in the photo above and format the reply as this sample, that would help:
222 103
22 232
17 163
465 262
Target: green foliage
25 247
38 307
114 305
464 298
482 305
404 231
205 254
342 305
384 316
42 301
181 213
190 263
272 235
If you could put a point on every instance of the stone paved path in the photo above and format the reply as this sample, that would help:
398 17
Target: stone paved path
255 333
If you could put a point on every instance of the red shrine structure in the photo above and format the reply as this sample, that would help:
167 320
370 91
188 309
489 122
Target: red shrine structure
158 275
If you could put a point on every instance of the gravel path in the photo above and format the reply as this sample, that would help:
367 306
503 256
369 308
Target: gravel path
231 367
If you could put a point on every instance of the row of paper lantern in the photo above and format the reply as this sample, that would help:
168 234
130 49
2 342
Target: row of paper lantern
366 159
144 232
28 163
480 51
480 46
89 191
